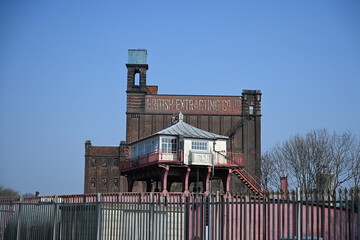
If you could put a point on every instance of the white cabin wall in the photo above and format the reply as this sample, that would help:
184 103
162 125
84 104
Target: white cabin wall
219 146
187 148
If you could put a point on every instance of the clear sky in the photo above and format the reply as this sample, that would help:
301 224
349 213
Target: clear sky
63 74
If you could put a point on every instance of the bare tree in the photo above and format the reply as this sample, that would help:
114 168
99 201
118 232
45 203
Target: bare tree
341 149
268 170
316 160
307 156
7 192
273 167
355 165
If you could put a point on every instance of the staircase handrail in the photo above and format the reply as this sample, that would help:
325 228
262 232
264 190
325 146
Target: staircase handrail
249 174
255 180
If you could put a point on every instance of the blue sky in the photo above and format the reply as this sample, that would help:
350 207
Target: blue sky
63 74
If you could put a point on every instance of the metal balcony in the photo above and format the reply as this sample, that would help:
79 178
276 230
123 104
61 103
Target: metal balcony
177 158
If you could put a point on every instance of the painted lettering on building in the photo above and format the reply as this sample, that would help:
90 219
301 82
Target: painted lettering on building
193 104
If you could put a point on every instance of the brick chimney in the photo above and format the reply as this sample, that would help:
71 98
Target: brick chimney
284 186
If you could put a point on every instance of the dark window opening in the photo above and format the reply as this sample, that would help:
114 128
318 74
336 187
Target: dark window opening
105 163
93 183
93 162
116 162
116 183
104 183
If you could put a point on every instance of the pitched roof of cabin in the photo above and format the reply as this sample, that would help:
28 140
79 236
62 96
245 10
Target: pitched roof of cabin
183 129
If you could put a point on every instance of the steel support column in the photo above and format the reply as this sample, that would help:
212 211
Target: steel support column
207 181
164 178
186 182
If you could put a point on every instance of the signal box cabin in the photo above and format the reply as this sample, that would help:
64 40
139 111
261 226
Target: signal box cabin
183 153
217 140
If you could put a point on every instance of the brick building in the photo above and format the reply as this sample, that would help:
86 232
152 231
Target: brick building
147 112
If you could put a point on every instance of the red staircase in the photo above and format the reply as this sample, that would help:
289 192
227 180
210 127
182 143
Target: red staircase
246 175
251 181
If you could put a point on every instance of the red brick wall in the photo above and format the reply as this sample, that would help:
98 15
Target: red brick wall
102 165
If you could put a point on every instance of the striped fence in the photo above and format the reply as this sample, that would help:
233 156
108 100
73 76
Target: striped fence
296 215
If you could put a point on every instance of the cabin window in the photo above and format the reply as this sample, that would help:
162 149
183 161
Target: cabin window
199 145
155 145
134 152
148 147
168 144
141 150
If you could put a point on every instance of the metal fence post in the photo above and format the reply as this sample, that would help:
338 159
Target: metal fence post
217 228
56 209
299 219
187 218
98 215
151 216
18 230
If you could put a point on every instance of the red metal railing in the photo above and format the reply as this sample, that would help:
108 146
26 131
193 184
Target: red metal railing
227 159
249 178
174 157
252 181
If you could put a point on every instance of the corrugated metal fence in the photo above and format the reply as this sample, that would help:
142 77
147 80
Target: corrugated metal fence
310 215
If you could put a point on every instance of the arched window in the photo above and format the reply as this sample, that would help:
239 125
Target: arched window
105 163
104 183
251 110
116 162
137 79
93 183
93 162
116 183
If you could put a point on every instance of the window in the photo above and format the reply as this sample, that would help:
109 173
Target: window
251 110
148 147
134 152
141 150
93 162
199 145
116 162
155 145
116 182
93 183
105 163
168 144
137 79
104 183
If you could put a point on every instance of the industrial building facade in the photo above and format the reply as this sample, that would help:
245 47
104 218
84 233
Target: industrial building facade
147 112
